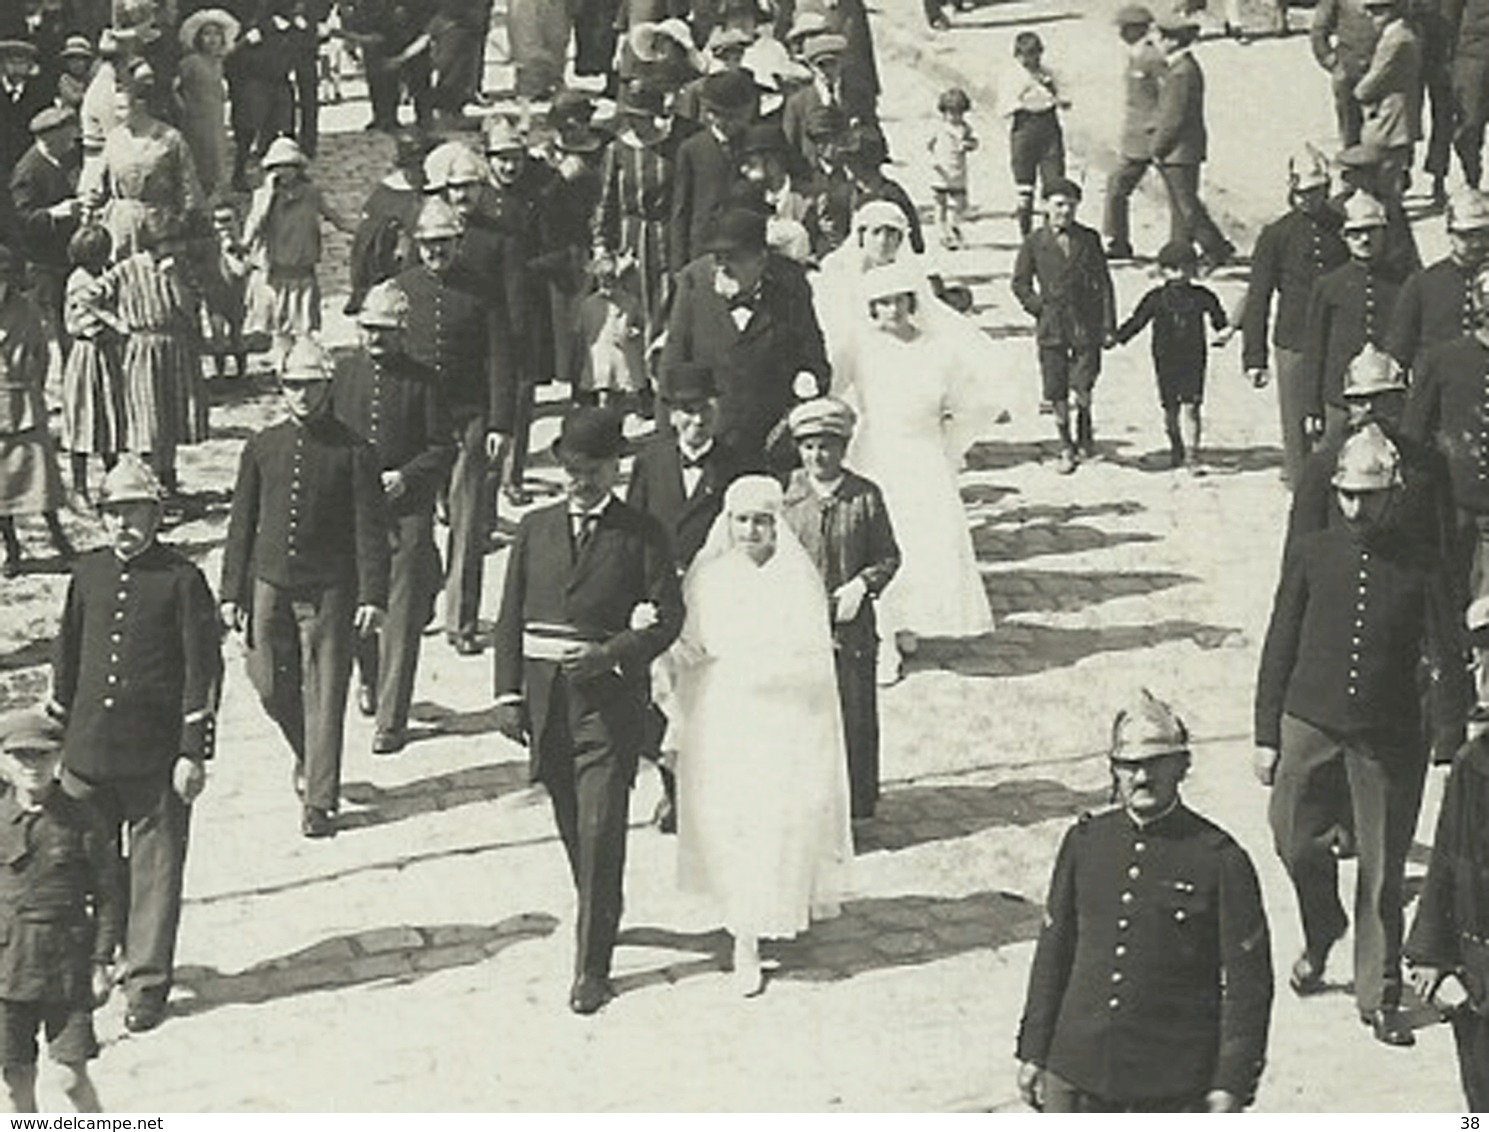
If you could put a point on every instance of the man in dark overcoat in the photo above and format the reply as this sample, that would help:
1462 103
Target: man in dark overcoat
43 191
23 94
1151 989
590 599
708 164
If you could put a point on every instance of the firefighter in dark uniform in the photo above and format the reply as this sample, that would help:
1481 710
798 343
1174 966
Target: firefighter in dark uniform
449 329
305 571
1449 407
136 678
1350 306
1434 306
1339 735
394 403
1151 988
61 913
1291 254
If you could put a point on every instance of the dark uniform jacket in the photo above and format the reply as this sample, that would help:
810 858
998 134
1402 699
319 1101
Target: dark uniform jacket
847 535
1351 620
1291 254
1350 306
657 488
1451 930
307 513
1449 406
1432 308
1179 136
138 664
394 404
1153 974
61 899
592 591
1070 296
701 181
450 330
35 186
754 367
1146 65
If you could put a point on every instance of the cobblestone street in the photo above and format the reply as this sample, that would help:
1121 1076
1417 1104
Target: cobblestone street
420 961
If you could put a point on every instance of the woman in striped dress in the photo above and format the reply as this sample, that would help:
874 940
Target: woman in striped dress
636 202
92 385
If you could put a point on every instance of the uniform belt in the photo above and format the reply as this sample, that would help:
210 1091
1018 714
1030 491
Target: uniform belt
549 640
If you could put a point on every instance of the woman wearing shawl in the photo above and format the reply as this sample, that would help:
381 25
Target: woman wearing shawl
762 786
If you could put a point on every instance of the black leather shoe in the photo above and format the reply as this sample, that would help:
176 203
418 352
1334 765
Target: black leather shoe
367 700
590 993
144 1015
665 816
316 822
467 645
388 742
1390 1026
1307 976
1118 251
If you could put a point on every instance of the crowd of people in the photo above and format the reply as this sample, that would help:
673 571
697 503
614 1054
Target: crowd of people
725 256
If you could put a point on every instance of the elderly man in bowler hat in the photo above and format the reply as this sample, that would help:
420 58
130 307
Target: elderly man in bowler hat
1151 989
747 313
708 163
591 598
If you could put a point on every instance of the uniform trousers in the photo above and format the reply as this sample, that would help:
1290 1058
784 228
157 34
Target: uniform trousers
158 823
307 103
1347 112
390 660
588 777
1189 219
385 86
470 517
1119 189
300 645
1373 781
1292 406
1471 1036
1471 93
1061 1096
513 454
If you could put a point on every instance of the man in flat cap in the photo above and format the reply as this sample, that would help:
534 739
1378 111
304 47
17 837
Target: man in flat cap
708 164
1339 728
591 598
43 190
1151 988
1435 304
843 524
1146 65
136 678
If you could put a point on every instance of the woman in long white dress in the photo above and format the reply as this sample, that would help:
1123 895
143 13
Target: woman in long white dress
920 389
763 823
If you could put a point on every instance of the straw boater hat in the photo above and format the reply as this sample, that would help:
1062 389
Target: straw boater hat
193 24
77 47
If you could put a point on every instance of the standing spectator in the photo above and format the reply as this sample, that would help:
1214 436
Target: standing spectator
1435 304
43 191
259 90
22 95
395 404
305 571
571 670
1291 254
1061 279
384 30
860 66
842 522
1350 306
1127 1011
1146 64
1343 39
224 274
137 676
456 34
302 38
1180 143
1032 100
824 54
950 141
206 38
1468 32
284 221
30 481
77 72
708 164
1390 93
538 32
1339 733
1430 23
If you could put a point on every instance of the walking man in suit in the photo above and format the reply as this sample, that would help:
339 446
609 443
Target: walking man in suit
1151 989
1061 279
1145 66
1180 143
1390 93
591 598
708 163
1343 40
44 191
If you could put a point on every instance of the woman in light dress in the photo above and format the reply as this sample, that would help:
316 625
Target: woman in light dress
918 378
762 784
206 37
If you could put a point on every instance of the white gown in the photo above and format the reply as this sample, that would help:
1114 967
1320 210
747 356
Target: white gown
920 405
763 823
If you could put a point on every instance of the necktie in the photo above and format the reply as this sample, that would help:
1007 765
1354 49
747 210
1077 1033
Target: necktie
584 529
691 463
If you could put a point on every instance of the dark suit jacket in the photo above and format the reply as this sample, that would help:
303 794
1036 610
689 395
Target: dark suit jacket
625 563
15 121
701 182
754 367
1071 296
35 186
657 489
1179 123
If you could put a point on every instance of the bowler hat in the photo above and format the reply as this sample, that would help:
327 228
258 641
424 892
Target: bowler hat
737 229
764 137
590 433
77 47
728 91
687 383
30 730
129 481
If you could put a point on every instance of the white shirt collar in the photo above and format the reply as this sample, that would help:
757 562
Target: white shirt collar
596 511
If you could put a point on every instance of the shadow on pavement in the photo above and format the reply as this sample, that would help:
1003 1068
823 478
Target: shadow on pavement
1000 455
1068 513
1039 648
1219 461
426 795
916 815
962 23
401 954
1057 591
27 656
1033 540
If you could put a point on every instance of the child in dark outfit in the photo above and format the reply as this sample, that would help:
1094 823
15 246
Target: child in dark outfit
1177 308
59 901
